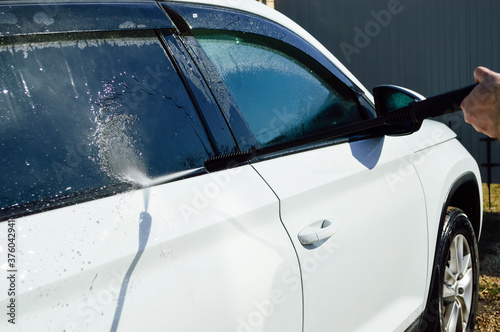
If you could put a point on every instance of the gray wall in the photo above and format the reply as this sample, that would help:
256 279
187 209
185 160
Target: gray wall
427 46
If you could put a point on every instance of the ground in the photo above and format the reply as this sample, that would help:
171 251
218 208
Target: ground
488 316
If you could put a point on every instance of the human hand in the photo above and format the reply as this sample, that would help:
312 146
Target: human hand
482 106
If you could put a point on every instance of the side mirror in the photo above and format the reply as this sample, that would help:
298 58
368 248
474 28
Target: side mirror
389 98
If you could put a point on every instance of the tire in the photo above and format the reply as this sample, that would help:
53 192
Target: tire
453 298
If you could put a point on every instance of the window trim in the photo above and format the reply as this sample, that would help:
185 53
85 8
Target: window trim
234 119
204 102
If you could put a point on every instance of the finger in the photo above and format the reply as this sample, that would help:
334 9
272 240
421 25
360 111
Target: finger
481 73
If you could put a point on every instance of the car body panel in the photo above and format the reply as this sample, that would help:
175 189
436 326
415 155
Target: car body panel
439 168
212 250
440 159
431 133
351 184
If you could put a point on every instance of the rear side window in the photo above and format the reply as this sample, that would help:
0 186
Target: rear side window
282 94
91 111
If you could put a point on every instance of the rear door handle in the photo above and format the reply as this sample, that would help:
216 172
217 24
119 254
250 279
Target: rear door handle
317 231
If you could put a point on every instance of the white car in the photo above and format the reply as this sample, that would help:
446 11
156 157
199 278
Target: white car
175 166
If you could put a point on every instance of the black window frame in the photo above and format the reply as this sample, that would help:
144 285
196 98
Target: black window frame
215 125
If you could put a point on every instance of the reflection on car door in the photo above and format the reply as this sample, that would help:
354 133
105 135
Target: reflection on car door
374 266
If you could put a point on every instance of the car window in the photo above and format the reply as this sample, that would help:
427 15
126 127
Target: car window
88 111
281 93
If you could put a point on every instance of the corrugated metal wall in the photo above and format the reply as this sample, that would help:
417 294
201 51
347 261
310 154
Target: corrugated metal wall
427 46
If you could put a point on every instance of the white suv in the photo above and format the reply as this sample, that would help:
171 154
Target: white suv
173 166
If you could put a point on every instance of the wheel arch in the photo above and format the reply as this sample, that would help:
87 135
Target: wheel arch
465 195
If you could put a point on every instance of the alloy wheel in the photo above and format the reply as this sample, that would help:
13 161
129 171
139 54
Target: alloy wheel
458 286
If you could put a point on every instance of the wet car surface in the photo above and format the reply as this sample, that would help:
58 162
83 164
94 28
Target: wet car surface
165 166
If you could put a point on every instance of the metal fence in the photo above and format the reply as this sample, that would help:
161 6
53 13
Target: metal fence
427 46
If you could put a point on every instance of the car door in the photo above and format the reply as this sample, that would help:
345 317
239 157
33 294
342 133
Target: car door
359 196
371 273
116 224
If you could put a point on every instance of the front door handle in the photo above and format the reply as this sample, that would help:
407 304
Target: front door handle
317 231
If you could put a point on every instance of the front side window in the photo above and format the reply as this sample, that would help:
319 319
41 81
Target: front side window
281 93
90 111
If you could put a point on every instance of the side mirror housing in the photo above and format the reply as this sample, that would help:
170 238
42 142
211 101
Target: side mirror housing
389 98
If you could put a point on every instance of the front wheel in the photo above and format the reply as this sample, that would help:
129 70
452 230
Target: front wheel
456 277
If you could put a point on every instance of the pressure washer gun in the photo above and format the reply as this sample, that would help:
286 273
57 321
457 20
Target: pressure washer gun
388 97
